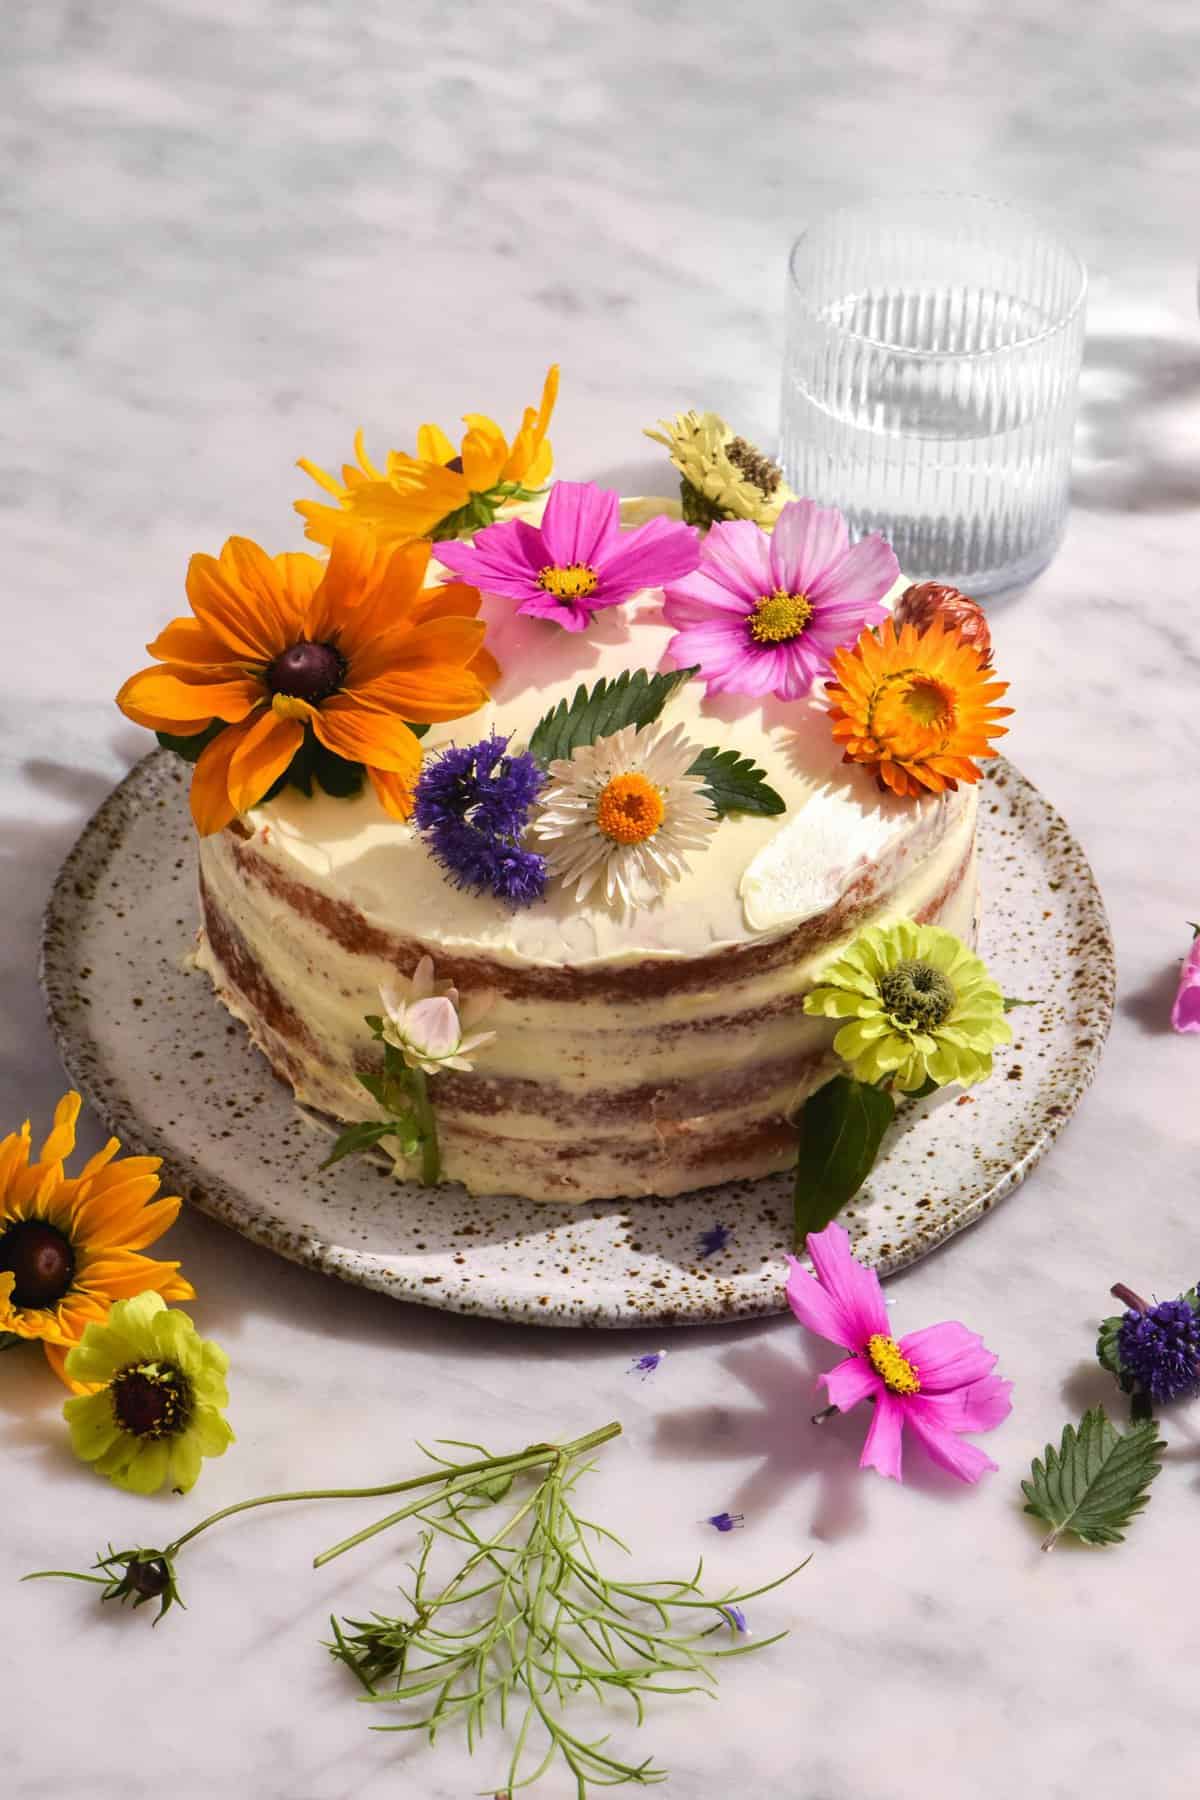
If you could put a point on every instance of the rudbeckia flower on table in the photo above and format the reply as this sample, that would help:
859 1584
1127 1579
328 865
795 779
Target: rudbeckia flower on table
937 1383
765 614
916 707
286 654
70 1246
441 490
153 1397
578 560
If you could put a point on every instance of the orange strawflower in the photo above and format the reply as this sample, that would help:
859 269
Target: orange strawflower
916 707
353 651
440 491
69 1246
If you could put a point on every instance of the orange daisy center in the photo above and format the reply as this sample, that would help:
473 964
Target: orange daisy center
41 1260
570 582
779 617
630 809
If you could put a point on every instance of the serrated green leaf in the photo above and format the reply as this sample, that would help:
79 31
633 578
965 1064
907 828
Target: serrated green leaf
841 1129
735 784
190 747
634 698
1094 1484
1107 1354
361 1137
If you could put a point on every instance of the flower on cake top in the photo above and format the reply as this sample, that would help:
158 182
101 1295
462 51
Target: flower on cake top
918 1006
425 1022
721 475
577 560
916 707
71 1245
1185 1013
286 654
472 805
936 1383
152 1398
621 813
765 614
440 491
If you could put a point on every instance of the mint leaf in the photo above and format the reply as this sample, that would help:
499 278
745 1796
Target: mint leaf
190 747
1094 1484
634 698
734 784
361 1137
841 1129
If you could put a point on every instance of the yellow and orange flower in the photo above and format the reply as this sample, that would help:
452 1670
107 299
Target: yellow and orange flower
70 1245
355 650
440 486
916 707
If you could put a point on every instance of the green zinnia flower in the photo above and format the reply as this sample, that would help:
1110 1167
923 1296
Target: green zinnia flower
920 1007
156 1411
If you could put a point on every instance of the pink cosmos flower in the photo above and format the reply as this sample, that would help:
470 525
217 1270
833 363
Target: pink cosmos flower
764 615
1185 1014
937 1382
577 560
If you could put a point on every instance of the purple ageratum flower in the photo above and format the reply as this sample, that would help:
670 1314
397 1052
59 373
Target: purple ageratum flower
1185 1014
578 560
725 1521
646 1365
715 1238
1160 1348
764 615
471 804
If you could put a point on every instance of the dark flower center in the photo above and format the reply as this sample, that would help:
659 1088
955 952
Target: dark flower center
149 1579
307 672
41 1259
758 469
917 995
455 463
152 1399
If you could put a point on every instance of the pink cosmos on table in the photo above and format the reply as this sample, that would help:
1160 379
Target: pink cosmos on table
936 1383
1185 1014
578 560
764 614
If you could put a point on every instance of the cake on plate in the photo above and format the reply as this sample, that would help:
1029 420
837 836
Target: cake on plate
662 781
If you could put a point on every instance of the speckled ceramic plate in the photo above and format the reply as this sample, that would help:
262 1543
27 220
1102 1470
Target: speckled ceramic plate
161 1062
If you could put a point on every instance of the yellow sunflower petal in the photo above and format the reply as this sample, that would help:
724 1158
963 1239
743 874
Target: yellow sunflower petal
61 1139
434 446
484 453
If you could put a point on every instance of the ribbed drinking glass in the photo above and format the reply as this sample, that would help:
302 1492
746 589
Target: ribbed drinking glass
930 380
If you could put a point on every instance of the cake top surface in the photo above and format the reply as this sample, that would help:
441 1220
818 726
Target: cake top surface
755 877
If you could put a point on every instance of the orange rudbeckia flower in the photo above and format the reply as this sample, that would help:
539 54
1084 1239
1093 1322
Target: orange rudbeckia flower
440 491
354 651
916 707
70 1245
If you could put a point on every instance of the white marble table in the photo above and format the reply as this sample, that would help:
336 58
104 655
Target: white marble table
235 231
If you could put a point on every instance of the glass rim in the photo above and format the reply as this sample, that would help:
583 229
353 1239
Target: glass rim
885 204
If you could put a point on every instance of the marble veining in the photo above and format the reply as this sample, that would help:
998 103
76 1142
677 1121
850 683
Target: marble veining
230 235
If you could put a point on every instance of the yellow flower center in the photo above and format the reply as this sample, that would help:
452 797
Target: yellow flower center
630 809
929 702
897 1372
779 617
570 583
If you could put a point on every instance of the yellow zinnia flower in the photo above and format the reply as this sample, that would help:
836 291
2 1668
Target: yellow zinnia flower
152 1393
722 476
69 1246
441 491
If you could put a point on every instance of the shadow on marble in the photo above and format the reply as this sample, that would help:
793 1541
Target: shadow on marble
1129 385
1150 1005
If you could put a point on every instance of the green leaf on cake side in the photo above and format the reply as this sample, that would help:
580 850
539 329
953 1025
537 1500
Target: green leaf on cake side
635 697
360 1137
1095 1483
734 784
841 1129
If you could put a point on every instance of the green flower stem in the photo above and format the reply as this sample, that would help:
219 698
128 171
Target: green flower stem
431 1159
493 1465
532 1458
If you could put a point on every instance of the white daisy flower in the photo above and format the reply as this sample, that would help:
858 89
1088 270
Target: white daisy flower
425 1022
622 812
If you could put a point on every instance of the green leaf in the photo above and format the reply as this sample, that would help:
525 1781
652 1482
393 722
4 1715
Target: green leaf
9 1340
1010 1004
361 1137
841 1129
1094 1484
927 1087
634 698
339 778
734 784
190 747
1107 1354
418 731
